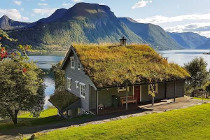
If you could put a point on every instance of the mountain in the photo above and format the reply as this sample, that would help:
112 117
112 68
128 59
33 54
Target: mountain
190 40
9 24
55 16
152 34
206 45
83 23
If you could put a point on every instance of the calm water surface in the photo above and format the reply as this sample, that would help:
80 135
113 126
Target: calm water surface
177 56
182 57
45 63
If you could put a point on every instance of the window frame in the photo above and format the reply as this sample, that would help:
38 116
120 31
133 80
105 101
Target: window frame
79 66
82 86
156 87
72 61
121 89
77 84
69 83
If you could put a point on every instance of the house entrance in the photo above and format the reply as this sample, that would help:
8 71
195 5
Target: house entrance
137 93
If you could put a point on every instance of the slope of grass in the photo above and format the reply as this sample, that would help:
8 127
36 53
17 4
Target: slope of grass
45 113
199 98
192 123
26 119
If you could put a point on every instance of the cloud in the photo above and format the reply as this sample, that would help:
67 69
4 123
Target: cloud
67 5
11 13
200 28
198 23
76 0
44 11
42 4
17 2
141 4
163 19
25 18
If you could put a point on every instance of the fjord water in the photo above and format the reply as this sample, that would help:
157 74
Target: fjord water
45 62
180 57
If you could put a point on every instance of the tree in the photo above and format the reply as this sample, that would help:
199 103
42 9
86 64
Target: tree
21 85
199 74
152 90
61 97
59 76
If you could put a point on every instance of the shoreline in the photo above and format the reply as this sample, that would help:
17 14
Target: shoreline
47 52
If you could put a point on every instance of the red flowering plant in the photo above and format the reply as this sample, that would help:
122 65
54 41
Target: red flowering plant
3 53
19 54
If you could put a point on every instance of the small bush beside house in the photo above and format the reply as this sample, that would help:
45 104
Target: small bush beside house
198 84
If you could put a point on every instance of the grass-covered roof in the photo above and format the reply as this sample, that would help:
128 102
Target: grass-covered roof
109 65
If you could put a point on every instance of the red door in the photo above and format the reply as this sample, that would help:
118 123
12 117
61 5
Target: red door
137 93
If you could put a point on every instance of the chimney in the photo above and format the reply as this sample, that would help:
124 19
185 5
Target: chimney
123 41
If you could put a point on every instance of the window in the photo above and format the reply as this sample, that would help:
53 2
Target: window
82 90
72 62
153 87
79 66
122 89
68 83
77 84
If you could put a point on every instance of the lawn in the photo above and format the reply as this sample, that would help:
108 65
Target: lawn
25 119
47 116
199 98
192 123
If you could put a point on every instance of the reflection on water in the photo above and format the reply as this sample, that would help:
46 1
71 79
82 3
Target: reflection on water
45 63
182 57
177 56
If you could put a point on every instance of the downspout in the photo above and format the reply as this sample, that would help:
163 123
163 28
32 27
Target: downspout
96 102
174 90
126 96
165 86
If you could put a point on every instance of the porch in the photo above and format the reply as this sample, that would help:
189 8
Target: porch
132 107
113 100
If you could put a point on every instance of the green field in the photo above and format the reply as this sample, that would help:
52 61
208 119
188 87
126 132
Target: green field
199 98
192 123
25 119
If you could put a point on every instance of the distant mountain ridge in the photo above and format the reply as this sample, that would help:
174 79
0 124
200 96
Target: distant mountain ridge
83 23
190 40
153 34
9 24
55 16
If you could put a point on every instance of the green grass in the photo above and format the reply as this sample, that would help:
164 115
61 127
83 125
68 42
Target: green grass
26 119
192 123
47 116
45 113
199 98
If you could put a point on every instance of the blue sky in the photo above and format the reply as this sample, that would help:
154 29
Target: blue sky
172 15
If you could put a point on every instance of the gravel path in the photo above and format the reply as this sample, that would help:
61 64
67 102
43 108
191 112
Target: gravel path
144 109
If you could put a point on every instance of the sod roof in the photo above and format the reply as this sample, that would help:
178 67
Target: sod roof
108 65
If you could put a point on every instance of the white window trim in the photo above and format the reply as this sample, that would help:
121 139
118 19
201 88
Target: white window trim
80 85
71 60
121 89
69 88
77 84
